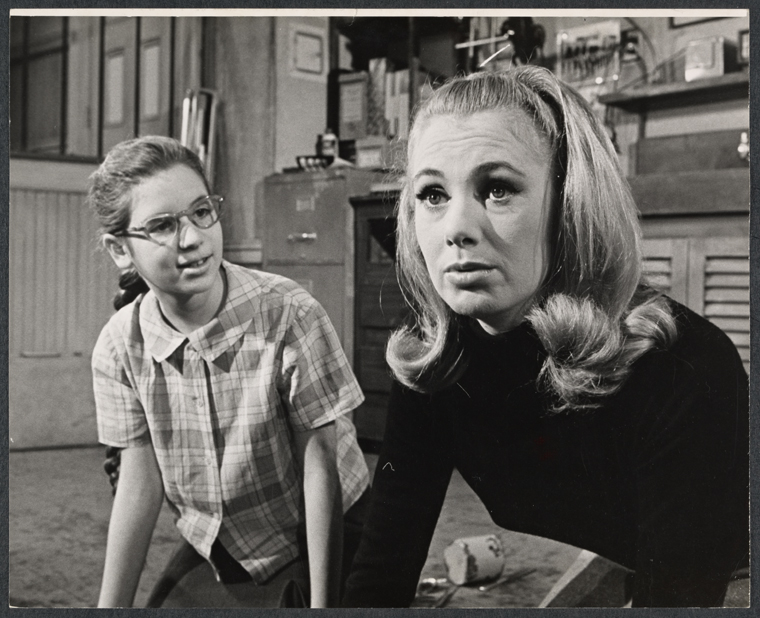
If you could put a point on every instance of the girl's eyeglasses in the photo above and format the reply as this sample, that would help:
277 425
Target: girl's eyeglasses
203 213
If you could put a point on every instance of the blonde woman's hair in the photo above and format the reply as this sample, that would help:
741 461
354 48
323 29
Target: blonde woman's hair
593 313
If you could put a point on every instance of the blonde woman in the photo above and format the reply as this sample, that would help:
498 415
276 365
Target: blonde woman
578 403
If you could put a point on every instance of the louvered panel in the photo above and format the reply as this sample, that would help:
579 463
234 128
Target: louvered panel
728 266
659 273
73 315
740 339
60 284
722 264
727 281
736 325
17 265
726 295
95 275
726 309
664 265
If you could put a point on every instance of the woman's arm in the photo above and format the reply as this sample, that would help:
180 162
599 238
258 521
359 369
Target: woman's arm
133 518
316 450
411 478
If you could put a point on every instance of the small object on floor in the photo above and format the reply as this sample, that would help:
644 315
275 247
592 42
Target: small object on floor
507 579
430 585
446 597
473 559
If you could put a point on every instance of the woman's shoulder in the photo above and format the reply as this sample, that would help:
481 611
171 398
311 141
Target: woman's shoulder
700 371
700 344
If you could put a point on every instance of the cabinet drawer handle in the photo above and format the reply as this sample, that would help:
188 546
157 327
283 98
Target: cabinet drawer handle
303 237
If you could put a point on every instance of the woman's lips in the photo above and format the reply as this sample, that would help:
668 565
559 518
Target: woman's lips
467 273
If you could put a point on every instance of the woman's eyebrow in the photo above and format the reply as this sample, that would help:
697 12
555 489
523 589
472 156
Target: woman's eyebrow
492 166
428 171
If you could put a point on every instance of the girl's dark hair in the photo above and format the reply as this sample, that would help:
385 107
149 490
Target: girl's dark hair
110 193
594 313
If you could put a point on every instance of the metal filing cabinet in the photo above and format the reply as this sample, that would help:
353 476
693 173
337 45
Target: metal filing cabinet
309 236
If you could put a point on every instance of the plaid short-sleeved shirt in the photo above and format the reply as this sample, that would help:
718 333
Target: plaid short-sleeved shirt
219 406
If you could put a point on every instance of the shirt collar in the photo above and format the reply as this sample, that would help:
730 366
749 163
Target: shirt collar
211 340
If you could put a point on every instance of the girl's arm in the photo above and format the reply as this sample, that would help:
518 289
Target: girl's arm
135 509
316 450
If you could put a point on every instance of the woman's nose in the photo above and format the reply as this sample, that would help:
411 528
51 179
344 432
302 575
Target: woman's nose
462 222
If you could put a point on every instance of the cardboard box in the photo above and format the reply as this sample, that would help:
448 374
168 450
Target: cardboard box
373 152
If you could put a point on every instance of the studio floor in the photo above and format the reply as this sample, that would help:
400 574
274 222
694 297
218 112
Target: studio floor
59 506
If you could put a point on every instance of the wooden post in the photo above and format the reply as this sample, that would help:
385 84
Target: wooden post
413 63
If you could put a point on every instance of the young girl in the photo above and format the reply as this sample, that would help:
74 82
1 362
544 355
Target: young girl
228 393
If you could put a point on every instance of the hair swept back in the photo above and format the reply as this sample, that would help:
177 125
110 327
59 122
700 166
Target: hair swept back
594 313
110 190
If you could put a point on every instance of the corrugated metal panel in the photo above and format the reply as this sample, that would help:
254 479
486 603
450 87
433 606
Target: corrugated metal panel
60 285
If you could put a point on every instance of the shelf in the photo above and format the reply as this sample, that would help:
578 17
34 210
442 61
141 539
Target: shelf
733 85
702 192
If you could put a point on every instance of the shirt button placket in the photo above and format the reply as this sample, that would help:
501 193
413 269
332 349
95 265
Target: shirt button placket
204 414
204 391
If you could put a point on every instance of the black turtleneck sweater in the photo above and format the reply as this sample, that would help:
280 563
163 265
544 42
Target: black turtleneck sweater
656 479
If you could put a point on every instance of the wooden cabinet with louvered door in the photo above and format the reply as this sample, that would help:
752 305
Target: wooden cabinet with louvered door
666 262
708 274
719 286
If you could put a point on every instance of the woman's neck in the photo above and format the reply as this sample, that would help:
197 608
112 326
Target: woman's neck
189 314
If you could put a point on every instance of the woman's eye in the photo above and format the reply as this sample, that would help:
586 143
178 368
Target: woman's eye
433 197
499 192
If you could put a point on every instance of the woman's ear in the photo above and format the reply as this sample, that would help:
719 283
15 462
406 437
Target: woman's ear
118 251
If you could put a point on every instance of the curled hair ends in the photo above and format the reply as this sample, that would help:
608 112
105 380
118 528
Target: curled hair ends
590 354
